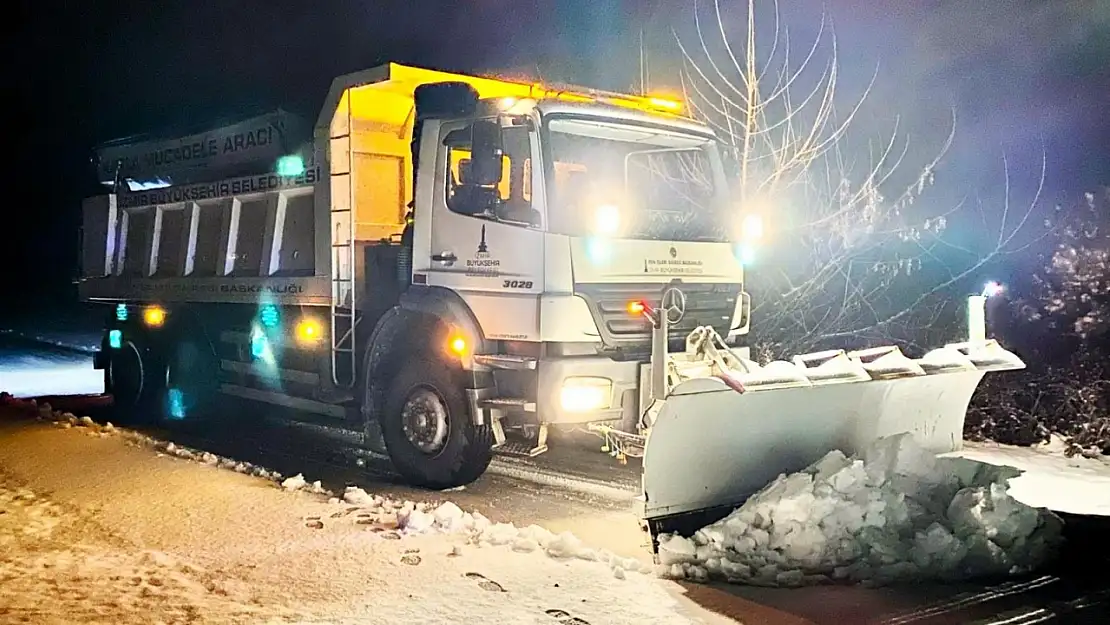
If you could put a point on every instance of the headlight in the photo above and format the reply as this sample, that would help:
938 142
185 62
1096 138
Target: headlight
607 219
585 394
752 227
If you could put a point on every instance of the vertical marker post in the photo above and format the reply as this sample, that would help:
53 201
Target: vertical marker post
977 319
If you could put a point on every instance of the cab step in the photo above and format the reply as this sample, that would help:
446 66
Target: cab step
519 449
508 403
506 361
519 446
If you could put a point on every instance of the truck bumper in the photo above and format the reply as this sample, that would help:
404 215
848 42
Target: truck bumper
589 389
586 389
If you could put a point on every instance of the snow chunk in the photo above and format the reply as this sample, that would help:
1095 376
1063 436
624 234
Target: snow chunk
894 513
296 482
358 497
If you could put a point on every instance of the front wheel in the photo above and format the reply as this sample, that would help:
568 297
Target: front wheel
427 431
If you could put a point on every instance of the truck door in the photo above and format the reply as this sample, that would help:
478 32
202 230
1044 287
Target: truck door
486 243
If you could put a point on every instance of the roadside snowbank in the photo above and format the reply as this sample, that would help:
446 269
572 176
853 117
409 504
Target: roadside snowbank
897 513
448 518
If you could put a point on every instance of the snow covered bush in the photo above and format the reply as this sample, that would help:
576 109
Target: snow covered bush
1070 399
895 513
1073 289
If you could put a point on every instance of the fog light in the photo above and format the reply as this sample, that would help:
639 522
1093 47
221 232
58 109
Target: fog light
309 331
584 394
154 316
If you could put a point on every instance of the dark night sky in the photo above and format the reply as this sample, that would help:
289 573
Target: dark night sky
1022 74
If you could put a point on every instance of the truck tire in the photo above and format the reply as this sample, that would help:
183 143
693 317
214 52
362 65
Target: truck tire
426 428
135 391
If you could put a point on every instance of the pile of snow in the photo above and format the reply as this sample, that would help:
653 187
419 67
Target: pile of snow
448 518
896 513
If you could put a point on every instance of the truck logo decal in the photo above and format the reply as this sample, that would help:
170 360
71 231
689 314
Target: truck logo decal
674 252
483 249
670 266
673 304
221 189
482 265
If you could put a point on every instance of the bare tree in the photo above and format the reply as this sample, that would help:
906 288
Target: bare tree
854 256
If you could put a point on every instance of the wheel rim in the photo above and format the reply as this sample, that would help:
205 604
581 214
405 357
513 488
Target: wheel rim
424 420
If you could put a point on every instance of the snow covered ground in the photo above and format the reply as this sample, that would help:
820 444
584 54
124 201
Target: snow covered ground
1050 479
896 513
31 375
187 540
119 534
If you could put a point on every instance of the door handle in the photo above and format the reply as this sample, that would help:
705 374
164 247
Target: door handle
445 257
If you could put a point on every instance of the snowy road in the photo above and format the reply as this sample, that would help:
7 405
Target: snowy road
101 510
28 369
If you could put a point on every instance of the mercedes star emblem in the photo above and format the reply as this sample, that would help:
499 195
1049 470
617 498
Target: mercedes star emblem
673 304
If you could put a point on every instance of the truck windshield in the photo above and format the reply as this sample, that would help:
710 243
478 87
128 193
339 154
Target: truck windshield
633 181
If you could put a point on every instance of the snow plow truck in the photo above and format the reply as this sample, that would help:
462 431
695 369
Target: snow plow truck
465 263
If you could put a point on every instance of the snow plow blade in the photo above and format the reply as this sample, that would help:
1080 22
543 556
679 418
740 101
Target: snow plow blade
718 439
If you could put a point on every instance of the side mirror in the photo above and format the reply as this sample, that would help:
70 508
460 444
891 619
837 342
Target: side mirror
486 152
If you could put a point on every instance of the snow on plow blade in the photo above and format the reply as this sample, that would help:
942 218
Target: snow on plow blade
711 447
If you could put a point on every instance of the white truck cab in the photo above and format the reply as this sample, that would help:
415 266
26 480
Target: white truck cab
593 208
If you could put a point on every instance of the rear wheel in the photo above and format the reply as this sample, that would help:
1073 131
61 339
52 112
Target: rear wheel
135 388
426 428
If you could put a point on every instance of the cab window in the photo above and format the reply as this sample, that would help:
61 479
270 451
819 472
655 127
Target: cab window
510 200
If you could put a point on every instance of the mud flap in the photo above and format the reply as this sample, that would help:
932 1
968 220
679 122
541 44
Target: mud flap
711 447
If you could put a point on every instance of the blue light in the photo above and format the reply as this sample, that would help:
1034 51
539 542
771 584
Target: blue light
598 250
992 288
115 339
176 400
744 253
269 316
121 312
259 345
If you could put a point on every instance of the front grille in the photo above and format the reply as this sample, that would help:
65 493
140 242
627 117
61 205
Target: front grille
706 304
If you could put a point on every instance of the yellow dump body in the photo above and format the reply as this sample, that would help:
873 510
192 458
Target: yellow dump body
375 114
